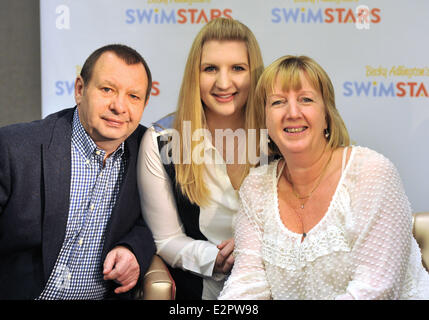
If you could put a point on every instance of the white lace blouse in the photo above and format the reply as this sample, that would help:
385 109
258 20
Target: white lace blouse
362 248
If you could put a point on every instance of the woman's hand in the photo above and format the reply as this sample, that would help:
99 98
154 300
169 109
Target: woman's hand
225 260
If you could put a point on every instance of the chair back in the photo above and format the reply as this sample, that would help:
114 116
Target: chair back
421 234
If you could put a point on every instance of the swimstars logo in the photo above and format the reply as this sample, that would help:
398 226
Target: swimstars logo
166 12
361 16
412 84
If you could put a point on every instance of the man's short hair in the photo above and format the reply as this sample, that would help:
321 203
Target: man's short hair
127 54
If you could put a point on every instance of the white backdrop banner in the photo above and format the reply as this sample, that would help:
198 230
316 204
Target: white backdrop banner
378 61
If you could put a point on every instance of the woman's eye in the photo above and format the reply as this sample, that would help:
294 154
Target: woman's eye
238 68
277 103
210 69
306 100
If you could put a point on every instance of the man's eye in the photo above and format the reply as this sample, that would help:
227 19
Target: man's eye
106 89
133 96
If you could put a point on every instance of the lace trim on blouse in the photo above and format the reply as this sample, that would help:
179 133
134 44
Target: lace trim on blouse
326 237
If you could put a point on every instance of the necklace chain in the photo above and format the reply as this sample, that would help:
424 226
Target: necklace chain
296 194
319 180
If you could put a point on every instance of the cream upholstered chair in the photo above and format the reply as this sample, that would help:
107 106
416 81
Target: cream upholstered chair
158 283
421 233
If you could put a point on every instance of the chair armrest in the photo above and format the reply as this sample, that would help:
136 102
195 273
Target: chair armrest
157 283
421 234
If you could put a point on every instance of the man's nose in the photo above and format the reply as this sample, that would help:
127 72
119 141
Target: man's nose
117 104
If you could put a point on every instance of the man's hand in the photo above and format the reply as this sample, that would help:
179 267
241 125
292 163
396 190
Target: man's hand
121 266
225 260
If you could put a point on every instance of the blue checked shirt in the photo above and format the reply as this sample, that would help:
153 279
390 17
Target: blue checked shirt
78 271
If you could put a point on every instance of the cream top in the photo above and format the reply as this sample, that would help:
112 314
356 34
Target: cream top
160 213
362 248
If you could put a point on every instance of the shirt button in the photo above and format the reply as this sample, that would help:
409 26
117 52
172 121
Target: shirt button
97 152
87 161
92 207
80 241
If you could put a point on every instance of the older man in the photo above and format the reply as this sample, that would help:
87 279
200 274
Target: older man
70 220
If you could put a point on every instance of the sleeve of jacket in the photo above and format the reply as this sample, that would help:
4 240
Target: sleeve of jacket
139 239
4 172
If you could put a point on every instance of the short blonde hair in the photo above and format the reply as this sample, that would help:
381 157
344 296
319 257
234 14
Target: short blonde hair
190 108
287 70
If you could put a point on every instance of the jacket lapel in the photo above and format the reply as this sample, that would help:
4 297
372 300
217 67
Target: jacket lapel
56 180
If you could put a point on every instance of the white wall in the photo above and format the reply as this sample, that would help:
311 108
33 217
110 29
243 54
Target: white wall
380 74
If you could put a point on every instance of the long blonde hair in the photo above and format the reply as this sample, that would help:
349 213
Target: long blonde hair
287 70
190 176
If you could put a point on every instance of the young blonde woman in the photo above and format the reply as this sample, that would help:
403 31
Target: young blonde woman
326 220
193 180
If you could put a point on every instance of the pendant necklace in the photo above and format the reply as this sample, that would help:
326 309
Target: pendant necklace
306 197
319 179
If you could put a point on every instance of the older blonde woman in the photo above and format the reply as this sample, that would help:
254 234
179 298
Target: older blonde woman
192 203
326 220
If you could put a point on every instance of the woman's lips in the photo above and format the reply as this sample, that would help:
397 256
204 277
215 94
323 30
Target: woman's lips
295 130
223 98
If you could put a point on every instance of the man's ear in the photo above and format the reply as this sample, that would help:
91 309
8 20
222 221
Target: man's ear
79 86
